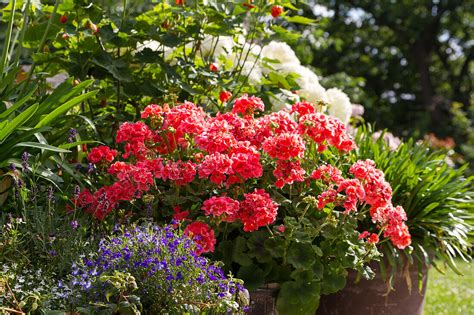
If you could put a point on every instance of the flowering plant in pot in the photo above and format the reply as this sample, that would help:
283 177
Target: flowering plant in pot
438 199
275 197
439 202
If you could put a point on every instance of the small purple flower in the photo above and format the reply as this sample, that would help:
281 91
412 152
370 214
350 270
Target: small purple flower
77 191
51 193
74 224
12 167
52 253
90 168
25 157
72 135
19 183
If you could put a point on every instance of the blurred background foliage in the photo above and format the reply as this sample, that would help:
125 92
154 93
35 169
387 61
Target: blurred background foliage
409 63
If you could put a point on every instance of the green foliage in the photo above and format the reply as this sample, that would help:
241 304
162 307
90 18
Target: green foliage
141 53
118 289
406 63
438 200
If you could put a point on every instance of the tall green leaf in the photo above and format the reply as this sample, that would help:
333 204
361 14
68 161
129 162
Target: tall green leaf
64 108
17 122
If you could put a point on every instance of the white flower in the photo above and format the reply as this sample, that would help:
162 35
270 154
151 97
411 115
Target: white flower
314 93
339 105
283 100
218 46
253 71
307 80
280 52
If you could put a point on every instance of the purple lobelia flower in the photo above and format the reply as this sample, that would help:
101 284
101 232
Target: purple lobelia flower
165 267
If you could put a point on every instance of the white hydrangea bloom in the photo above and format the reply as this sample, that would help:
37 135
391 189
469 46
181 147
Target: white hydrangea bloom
222 45
253 70
305 75
283 100
280 52
339 104
314 93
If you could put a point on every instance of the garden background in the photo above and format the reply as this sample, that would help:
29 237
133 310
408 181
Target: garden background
77 80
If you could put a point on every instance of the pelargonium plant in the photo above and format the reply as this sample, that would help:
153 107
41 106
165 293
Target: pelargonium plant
275 196
156 270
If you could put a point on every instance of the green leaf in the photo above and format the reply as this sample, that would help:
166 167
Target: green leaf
61 94
298 297
64 108
17 122
301 255
298 19
253 276
275 246
17 104
256 245
41 146
73 144
333 282
239 252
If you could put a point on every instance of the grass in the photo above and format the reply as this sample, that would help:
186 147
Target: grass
451 294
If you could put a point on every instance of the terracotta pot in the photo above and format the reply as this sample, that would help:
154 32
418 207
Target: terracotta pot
263 300
369 297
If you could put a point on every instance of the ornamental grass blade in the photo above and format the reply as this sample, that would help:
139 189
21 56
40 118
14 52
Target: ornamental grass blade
41 146
17 104
64 108
18 121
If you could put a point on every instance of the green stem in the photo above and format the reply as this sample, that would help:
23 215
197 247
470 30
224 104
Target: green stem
41 45
304 213
8 37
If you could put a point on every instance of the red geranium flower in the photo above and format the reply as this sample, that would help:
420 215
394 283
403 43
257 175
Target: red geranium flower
202 235
277 10
258 209
102 154
224 96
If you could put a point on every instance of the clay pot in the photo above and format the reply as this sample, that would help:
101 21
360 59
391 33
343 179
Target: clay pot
369 297
263 300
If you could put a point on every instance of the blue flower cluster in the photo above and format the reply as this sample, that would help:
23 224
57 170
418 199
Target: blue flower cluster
168 272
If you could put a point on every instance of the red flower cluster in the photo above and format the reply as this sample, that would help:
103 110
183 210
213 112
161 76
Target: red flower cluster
154 110
284 146
246 105
368 186
372 238
303 108
102 154
328 174
226 207
202 235
227 154
257 209
135 135
326 130
379 197
288 172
